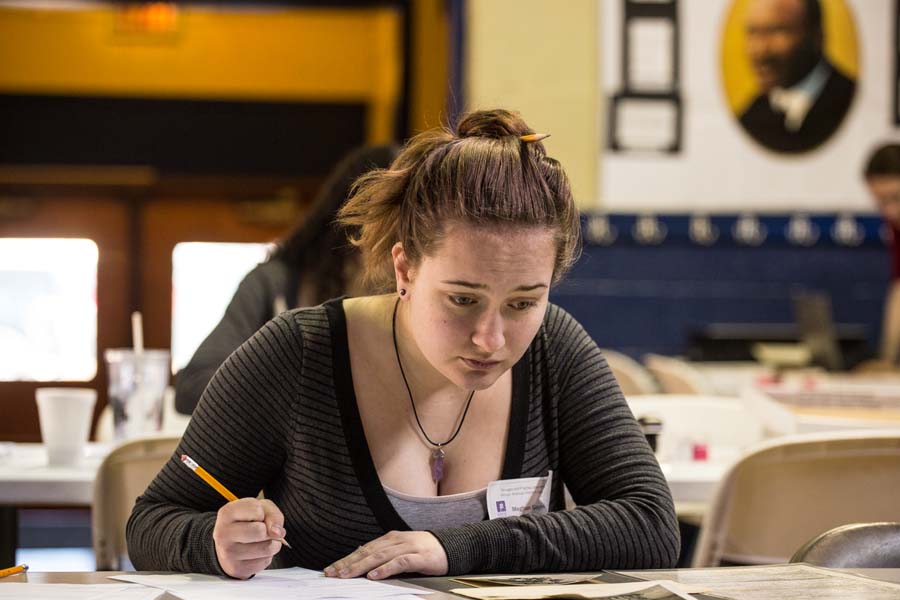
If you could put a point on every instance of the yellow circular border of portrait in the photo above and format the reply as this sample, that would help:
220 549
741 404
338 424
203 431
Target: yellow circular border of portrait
738 81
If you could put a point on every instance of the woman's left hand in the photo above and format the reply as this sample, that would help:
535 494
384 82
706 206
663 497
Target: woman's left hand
391 554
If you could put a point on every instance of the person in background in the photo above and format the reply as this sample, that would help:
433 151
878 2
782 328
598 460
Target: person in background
803 96
882 175
374 425
312 264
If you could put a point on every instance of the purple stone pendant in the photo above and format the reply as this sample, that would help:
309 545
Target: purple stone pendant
437 464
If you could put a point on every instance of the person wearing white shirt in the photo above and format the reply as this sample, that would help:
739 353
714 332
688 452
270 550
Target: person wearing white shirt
803 96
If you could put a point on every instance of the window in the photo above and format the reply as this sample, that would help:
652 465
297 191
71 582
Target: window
48 309
204 278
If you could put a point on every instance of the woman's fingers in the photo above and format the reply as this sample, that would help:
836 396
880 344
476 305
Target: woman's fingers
243 532
365 557
249 568
391 554
246 536
274 519
405 563
245 509
267 549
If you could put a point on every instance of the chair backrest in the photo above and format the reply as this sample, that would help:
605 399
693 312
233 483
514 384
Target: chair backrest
783 492
855 546
123 475
632 376
722 423
677 376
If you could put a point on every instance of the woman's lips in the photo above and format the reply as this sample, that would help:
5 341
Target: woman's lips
481 365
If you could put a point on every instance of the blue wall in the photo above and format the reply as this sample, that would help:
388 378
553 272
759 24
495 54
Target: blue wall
649 297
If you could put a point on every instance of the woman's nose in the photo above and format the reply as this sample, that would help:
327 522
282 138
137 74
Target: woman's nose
489 333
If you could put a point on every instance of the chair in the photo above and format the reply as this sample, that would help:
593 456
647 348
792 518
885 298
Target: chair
123 475
632 376
677 376
856 546
785 491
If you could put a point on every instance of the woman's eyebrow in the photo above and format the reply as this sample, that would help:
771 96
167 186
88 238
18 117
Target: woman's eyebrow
484 286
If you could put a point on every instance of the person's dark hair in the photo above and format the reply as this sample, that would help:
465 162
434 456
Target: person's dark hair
884 160
813 12
481 173
317 250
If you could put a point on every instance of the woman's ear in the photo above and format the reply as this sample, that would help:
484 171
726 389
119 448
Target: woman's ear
402 269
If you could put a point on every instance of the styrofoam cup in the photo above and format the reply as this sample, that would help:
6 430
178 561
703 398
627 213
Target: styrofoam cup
65 417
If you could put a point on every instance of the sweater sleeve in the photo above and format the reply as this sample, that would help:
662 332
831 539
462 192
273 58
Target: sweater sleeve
249 309
238 434
625 518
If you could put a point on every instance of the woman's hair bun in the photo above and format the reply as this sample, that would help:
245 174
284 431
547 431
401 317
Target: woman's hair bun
495 123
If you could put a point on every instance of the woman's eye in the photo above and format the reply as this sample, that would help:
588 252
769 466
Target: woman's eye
461 300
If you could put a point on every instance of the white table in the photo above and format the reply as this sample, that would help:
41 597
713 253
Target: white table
830 402
693 485
728 378
27 480
694 481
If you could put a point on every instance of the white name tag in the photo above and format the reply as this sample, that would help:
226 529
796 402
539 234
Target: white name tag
515 497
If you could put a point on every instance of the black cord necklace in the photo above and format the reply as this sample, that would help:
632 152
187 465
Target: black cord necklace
437 453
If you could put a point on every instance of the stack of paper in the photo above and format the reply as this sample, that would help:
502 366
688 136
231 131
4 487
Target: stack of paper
795 581
275 583
640 590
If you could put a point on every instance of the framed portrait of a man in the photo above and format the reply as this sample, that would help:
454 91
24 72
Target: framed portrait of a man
790 70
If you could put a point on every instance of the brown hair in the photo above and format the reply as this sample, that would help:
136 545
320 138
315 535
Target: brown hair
481 173
884 160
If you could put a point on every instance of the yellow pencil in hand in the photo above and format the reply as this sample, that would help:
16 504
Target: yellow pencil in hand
214 483
13 570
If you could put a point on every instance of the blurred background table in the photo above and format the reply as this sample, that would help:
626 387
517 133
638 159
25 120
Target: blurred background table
26 480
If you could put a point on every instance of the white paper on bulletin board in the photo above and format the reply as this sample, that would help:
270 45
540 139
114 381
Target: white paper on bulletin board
720 168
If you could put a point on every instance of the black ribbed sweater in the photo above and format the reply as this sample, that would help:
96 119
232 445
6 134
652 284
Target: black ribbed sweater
280 415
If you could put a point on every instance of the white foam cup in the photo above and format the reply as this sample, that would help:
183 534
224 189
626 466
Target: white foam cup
65 418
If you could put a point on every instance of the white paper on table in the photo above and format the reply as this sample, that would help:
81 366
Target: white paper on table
276 583
796 581
73 591
657 591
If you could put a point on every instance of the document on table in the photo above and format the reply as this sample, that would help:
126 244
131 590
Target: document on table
794 581
552 579
285 584
73 591
639 590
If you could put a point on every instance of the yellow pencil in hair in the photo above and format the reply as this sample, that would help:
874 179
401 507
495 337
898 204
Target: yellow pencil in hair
533 137
191 464
13 570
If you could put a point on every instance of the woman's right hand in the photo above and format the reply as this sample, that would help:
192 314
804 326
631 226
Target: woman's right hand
247 536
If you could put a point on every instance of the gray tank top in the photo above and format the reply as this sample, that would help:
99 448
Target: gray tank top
439 512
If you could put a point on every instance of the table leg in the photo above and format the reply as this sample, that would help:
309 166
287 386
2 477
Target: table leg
9 535
690 533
